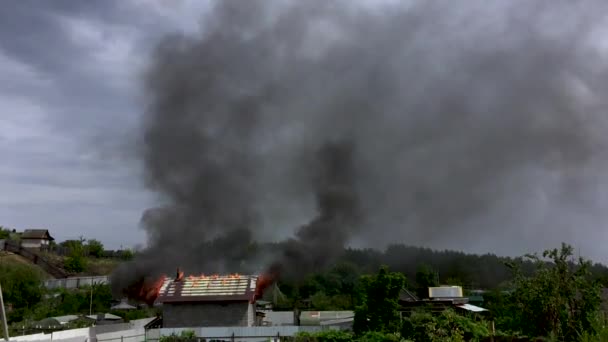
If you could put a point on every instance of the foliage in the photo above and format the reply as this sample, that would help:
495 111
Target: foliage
185 335
126 255
425 278
21 287
379 309
94 248
559 299
448 326
598 331
4 233
76 261
324 336
343 336
73 246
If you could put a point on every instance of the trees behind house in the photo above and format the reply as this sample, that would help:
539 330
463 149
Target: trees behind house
94 248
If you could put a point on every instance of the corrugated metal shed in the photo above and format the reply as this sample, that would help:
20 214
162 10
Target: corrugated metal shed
208 288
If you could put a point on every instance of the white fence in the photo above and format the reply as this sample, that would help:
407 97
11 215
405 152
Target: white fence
76 282
125 332
132 335
246 334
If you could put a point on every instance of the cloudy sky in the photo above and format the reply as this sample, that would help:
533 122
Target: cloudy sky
69 89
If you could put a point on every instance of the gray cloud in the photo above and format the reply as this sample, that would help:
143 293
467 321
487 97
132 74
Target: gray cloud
69 74
478 127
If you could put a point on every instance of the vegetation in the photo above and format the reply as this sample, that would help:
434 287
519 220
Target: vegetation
94 248
379 309
552 295
21 286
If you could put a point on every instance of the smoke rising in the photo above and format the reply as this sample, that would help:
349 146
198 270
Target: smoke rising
478 126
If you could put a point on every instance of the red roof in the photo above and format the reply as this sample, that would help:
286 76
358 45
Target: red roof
208 289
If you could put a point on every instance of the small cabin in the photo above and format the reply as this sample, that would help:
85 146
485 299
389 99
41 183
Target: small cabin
36 239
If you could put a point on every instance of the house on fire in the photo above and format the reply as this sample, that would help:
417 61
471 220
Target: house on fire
208 301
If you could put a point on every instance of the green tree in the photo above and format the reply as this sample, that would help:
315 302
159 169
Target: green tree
425 277
448 326
76 261
95 248
4 233
379 309
22 288
559 299
126 255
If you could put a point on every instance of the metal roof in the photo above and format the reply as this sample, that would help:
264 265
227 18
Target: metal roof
208 288
106 316
65 319
470 307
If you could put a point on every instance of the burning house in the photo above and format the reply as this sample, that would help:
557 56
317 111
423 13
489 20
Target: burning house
216 300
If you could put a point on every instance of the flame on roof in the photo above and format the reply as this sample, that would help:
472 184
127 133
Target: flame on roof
203 288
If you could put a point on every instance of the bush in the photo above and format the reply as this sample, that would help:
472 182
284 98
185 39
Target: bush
325 336
95 248
186 335
22 288
75 264
449 326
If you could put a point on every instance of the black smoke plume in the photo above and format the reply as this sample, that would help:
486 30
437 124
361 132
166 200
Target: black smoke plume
478 125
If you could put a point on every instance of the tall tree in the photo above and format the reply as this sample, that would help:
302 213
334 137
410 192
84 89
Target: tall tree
425 277
379 309
559 299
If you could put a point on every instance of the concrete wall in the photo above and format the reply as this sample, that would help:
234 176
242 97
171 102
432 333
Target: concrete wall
225 314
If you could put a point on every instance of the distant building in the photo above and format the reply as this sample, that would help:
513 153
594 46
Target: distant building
208 301
441 298
36 238
105 318
340 320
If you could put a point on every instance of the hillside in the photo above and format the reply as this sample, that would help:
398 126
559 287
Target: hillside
7 258
94 266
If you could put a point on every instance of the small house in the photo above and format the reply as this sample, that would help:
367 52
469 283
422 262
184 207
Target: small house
208 301
36 239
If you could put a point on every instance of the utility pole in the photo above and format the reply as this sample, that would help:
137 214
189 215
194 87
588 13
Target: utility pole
4 325
91 301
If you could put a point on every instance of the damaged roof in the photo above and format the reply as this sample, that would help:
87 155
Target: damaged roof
208 288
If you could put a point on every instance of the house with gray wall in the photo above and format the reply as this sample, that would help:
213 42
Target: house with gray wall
208 301
36 239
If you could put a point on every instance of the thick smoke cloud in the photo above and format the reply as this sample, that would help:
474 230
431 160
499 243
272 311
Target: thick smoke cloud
479 125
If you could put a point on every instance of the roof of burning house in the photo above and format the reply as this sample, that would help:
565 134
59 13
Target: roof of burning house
208 288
